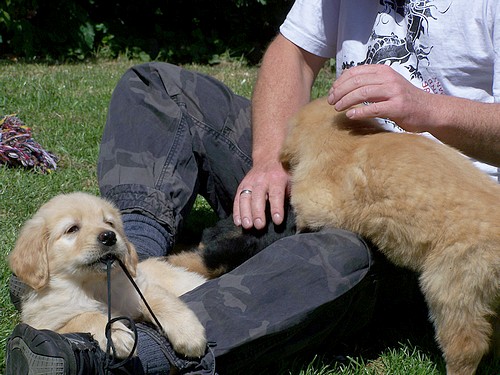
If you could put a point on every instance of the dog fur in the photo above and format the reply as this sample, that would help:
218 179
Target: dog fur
61 254
225 246
423 204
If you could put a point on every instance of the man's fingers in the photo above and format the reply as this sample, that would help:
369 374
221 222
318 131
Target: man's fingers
249 207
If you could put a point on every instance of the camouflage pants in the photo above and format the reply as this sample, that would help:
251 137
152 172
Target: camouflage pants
172 134
297 294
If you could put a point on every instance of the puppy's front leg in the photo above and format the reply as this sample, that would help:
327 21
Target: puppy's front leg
95 324
179 323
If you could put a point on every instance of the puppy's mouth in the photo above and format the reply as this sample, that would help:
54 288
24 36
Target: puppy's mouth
101 263
108 258
107 254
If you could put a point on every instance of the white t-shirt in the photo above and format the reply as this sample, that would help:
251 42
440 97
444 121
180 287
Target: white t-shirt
442 46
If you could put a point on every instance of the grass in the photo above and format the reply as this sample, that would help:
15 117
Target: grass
65 105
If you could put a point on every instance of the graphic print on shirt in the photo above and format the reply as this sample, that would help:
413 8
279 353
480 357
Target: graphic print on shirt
408 20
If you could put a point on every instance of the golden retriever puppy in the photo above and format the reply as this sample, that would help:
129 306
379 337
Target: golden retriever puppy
61 253
420 202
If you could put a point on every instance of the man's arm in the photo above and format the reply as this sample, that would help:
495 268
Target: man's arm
283 85
471 127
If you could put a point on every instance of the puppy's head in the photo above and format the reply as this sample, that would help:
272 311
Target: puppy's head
71 235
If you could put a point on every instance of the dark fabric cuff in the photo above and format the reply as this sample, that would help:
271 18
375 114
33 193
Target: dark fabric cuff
149 237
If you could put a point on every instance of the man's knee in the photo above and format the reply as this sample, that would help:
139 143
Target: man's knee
337 249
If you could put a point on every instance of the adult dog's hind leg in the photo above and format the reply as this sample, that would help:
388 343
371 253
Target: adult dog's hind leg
461 311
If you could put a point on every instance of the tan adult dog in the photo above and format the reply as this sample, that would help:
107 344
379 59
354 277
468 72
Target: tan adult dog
421 203
61 254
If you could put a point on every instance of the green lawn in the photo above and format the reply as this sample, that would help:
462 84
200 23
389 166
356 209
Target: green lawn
65 105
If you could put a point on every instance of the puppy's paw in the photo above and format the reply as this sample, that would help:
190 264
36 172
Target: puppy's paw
187 338
122 338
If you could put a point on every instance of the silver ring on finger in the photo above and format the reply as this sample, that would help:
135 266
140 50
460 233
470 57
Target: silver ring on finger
246 191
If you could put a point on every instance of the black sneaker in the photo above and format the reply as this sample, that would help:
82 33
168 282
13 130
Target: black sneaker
31 351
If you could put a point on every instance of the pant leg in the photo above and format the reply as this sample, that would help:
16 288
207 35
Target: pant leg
171 134
288 298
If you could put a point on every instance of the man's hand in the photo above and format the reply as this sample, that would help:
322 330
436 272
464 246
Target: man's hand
388 93
266 181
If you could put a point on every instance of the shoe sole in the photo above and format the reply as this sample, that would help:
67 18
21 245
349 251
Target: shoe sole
33 352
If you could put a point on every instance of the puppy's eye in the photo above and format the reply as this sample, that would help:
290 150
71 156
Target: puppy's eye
110 223
73 229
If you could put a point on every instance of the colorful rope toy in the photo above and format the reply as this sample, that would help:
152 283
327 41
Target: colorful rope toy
17 147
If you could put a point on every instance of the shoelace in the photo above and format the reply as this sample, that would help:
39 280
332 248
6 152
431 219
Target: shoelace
110 348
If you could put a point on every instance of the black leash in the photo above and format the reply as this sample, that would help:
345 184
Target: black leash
125 270
109 365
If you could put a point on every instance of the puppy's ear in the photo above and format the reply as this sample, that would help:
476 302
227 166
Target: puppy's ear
29 259
131 259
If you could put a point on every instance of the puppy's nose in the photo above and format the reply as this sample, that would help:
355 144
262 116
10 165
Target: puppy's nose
107 238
